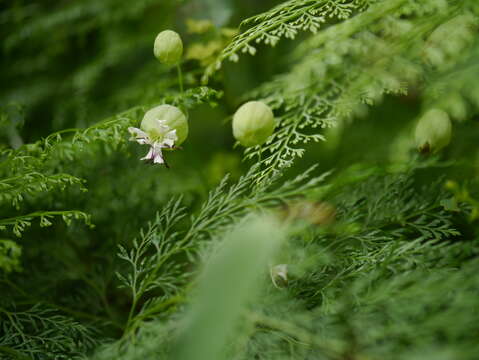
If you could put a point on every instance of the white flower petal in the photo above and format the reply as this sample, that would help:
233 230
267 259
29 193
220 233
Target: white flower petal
170 138
139 136
167 143
171 135
149 156
155 152
158 159
137 132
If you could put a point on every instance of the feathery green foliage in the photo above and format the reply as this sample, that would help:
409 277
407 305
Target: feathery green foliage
336 239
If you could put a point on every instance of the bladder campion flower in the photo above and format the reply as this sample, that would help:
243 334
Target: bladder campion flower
433 131
168 47
253 123
163 127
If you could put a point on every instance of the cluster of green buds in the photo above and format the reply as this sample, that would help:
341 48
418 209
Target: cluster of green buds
165 127
433 131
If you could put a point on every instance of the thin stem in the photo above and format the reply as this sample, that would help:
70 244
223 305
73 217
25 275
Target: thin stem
180 83
180 77
135 297
130 316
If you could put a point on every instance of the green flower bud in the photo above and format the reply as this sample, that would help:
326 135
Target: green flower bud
168 47
157 119
253 123
433 131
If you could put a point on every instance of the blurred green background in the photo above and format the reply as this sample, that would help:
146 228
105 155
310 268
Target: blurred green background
70 64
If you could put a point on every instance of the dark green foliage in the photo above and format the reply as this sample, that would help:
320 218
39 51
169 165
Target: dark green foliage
42 333
104 256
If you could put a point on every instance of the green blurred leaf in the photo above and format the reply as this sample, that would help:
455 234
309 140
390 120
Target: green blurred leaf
230 280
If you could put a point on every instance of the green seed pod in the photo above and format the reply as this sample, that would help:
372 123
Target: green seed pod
156 120
168 47
253 123
433 131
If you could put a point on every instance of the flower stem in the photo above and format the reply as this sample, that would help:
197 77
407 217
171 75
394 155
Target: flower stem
180 77
180 83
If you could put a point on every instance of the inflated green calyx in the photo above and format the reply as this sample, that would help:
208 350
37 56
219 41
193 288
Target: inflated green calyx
165 115
253 123
433 131
168 47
